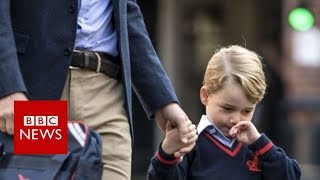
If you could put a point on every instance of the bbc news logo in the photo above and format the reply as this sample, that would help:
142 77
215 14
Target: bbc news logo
39 133
40 127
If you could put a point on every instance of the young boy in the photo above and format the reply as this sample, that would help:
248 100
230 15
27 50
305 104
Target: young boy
229 146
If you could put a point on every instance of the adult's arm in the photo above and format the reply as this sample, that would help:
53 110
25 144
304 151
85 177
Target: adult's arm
11 79
149 79
11 82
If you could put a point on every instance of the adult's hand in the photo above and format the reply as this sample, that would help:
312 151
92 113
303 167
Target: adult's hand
7 109
173 114
173 145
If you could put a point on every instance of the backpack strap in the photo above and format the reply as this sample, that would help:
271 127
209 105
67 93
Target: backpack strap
79 131
90 165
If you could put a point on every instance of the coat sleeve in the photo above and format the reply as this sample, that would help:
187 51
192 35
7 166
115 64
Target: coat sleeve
10 76
149 79
273 161
164 166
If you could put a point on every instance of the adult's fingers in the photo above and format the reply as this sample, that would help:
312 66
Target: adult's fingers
6 120
9 124
2 124
7 110
6 116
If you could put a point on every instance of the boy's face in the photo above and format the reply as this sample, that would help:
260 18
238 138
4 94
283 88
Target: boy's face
228 106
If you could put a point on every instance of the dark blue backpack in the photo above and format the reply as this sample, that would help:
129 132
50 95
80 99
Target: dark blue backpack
83 161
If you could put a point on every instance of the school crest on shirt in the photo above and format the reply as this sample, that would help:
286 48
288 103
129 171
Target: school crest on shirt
253 163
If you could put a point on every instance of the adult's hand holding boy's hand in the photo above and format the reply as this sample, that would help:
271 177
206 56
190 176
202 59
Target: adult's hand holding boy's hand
172 143
172 116
176 117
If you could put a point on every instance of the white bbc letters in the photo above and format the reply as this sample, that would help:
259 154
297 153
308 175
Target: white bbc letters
40 120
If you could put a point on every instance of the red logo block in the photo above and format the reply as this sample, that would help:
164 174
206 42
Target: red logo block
40 127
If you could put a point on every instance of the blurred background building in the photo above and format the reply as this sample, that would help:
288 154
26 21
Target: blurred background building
186 33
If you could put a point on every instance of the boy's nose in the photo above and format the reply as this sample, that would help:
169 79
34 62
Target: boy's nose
234 120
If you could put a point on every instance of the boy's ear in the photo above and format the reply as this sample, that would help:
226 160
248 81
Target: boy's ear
204 95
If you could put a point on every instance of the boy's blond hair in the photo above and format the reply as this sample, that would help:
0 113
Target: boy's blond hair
240 64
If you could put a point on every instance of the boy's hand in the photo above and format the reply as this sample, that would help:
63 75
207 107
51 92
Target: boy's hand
245 132
172 143
176 117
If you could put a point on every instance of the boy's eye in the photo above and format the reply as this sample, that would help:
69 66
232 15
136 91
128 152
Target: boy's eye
247 111
227 108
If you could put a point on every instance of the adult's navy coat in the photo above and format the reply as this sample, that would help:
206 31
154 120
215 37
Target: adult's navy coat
36 42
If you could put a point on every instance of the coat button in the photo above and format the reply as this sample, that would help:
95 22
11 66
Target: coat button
72 9
67 51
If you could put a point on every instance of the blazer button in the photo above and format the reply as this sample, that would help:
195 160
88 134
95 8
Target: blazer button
72 9
67 51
